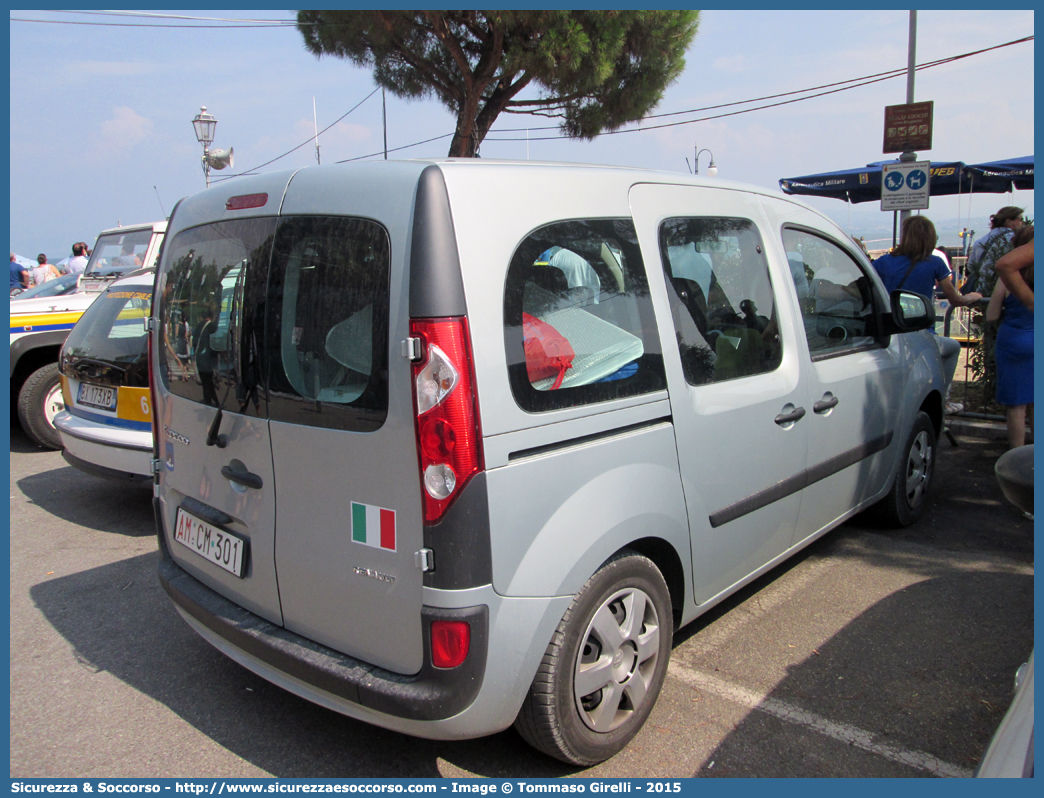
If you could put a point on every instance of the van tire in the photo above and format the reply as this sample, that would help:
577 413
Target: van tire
39 400
551 718
905 503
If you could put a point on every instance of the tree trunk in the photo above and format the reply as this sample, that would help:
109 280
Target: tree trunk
464 145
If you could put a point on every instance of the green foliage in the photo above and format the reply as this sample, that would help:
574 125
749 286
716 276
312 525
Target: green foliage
595 70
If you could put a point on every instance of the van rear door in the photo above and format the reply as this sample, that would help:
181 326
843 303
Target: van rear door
348 516
217 487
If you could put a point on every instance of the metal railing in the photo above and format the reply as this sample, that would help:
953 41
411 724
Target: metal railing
960 324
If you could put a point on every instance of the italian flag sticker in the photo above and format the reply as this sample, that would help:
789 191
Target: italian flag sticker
373 526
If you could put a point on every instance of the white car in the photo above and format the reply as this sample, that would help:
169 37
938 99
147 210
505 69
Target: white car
40 325
106 423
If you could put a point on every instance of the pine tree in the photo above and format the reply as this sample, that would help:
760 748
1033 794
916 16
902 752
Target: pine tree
595 70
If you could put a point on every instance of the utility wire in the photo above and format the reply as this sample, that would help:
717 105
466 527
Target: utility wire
145 24
155 15
299 146
866 80
883 75
844 85
397 149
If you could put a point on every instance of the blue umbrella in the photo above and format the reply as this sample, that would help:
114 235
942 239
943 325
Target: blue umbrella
864 184
1018 170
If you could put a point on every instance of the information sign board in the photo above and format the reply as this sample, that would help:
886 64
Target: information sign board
908 128
905 186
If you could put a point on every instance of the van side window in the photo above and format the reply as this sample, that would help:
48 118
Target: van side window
834 293
326 335
209 352
579 324
721 298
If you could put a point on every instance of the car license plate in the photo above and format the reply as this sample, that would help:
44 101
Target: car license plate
97 396
212 543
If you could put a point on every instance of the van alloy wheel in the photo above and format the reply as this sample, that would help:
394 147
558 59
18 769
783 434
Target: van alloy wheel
918 468
908 496
603 670
617 660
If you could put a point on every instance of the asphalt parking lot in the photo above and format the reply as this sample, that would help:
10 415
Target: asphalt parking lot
874 653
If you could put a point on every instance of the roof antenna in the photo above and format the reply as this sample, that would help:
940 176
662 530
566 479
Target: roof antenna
160 201
689 165
315 122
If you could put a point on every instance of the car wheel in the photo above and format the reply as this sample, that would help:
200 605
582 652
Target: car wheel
605 665
39 401
906 501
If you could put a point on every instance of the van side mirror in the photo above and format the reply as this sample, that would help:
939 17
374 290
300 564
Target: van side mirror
910 312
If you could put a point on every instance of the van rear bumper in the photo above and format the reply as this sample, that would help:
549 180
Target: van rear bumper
429 695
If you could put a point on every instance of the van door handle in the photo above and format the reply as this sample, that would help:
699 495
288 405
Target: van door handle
825 404
796 414
244 478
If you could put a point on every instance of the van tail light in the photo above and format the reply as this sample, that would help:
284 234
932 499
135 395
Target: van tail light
450 641
448 437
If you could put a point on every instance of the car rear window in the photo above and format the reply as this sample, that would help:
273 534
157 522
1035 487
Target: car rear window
579 324
111 332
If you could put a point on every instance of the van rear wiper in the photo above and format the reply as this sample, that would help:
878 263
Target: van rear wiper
213 438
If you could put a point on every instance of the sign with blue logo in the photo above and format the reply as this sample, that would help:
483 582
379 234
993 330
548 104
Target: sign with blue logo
894 181
905 186
916 180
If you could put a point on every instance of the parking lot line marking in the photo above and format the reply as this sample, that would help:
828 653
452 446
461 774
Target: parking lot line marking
842 732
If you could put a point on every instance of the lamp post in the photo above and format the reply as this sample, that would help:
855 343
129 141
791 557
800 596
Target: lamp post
712 170
204 125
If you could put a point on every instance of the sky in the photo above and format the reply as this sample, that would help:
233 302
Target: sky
101 115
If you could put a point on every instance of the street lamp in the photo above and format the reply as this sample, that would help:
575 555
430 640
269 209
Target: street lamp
712 170
204 125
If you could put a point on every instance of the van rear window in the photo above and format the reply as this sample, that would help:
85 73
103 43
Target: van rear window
578 320
212 279
280 317
326 326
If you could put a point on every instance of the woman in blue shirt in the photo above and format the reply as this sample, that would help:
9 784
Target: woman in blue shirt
913 267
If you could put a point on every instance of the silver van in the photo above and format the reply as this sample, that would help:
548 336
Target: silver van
471 439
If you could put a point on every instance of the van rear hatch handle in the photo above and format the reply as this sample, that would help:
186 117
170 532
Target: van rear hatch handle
244 478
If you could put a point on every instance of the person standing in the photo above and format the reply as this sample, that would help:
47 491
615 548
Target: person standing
1003 225
1012 303
205 358
912 266
79 259
19 276
45 271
